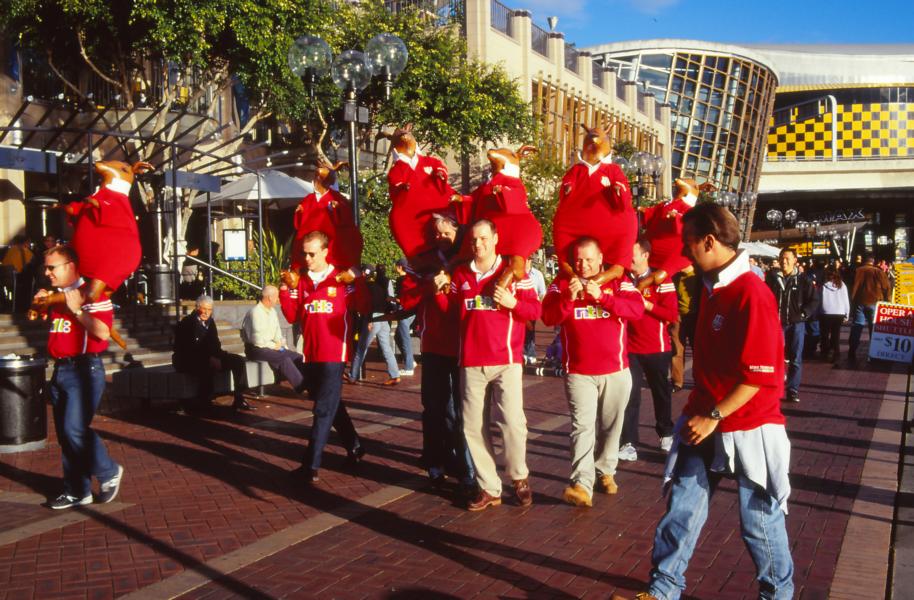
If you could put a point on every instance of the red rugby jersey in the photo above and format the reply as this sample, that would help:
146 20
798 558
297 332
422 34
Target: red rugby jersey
491 335
593 331
68 337
650 334
738 340
438 320
324 311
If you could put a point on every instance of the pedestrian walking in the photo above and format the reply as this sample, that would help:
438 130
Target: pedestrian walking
870 286
835 311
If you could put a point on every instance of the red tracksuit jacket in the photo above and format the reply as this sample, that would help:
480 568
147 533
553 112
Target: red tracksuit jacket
593 331
650 334
68 337
665 235
438 320
491 335
106 238
325 314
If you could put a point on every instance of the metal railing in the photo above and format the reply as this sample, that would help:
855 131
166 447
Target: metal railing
571 57
220 271
501 17
539 40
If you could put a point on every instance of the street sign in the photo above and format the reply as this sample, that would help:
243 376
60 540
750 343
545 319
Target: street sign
904 283
893 333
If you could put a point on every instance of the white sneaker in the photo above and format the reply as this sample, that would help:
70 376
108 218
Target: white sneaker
628 452
407 372
666 442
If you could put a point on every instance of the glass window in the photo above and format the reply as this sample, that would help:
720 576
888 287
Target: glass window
736 69
694 145
677 84
717 97
697 127
680 66
660 61
692 70
689 91
719 80
707 77
707 150
710 131
677 158
673 99
690 162
683 122
654 78
701 111
679 140
704 93
723 64
704 166
686 106
713 115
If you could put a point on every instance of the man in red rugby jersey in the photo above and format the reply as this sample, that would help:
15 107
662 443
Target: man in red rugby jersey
79 334
492 322
732 424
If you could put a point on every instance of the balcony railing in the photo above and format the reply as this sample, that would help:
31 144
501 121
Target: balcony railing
501 17
539 40
442 12
571 57
598 76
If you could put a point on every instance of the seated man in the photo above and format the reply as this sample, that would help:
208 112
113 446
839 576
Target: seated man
199 352
263 339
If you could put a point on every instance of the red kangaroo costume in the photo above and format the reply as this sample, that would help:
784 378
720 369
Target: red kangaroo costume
331 214
418 188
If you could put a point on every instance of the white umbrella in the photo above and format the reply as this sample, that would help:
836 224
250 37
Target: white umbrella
760 249
277 190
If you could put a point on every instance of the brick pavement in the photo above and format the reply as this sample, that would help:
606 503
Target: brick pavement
208 509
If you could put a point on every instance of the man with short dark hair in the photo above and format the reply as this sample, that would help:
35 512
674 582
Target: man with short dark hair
870 286
491 357
732 422
323 306
592 318
79 334
650 354
797 302
198 352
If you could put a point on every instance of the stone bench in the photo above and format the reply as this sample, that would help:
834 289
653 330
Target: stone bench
162 384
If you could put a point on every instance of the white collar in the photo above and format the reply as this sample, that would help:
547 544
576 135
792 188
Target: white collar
120 186
728 275
510 169
411 161
591 169
73 286
479 274
318 277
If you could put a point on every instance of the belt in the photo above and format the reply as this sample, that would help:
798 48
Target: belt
69 360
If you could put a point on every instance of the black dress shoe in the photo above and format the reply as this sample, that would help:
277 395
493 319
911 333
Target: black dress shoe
242 404
305 474
354 457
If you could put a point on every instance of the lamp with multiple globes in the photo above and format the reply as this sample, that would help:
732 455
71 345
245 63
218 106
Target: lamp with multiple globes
385 56
645 164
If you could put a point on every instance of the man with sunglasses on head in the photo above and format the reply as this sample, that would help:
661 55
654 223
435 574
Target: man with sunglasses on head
79 334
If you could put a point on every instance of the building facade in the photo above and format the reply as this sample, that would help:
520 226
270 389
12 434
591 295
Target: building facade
720 98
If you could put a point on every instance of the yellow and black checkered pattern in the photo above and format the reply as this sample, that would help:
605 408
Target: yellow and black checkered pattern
864 130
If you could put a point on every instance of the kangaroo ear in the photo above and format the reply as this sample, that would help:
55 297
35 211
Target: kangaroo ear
341 165
141 167
526 150
408 127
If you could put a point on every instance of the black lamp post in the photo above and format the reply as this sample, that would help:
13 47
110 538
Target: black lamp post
385 55
779 219
645 165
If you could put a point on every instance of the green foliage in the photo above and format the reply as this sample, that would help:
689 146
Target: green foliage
275 256
226 288
542 174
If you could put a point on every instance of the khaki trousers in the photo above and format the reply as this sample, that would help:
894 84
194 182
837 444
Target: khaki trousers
505 381
597 404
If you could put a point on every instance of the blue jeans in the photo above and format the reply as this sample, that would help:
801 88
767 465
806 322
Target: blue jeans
76 391
405 343
793 353
863 316
324 381
761 524
380 330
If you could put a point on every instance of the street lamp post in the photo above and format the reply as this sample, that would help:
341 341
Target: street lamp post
645 165
779 219
385 55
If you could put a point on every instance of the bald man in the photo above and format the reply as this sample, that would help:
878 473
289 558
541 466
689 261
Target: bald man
264 340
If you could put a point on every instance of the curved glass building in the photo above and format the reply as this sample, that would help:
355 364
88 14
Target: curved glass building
721 97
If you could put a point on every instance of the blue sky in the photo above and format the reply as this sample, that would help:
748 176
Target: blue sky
591 22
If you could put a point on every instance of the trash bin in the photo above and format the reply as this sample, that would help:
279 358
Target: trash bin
163 284
23 414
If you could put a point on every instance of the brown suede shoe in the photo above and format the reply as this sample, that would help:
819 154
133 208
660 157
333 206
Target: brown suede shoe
608 484
483 501
638 596
523 492
392 381
576 495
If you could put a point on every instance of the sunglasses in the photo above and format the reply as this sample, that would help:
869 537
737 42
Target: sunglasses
50 268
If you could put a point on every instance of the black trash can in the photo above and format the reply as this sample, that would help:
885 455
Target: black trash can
23 414
163 284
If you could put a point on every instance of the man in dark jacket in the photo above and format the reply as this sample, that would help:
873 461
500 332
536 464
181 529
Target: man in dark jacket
797 302
199 352
871 285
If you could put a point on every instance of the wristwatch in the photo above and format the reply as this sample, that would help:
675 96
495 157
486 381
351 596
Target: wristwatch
78 312
715 414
